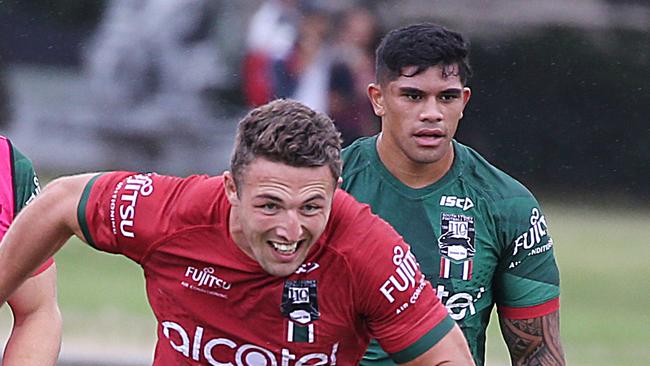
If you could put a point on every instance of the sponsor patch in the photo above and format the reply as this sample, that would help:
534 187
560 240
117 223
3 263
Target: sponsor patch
459 305
195 344
205 281
123 202
307 267
456 246
535 234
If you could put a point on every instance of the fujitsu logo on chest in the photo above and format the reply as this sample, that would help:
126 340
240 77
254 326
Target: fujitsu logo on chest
206 277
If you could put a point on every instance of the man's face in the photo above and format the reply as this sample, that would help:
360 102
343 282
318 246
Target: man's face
420 113
280 212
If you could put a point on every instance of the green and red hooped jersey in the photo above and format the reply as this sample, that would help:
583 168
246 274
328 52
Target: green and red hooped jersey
216 305
480 237
18 187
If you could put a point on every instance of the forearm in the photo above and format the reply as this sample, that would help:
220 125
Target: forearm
35 340
534 341
36 334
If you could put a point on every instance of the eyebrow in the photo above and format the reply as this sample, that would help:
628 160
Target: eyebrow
409 89
412 90
455 91
315 196
268 197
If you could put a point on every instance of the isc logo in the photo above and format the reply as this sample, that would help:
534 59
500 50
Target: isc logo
452 201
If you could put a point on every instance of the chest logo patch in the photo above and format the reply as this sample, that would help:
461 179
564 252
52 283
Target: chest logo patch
300 306
456 246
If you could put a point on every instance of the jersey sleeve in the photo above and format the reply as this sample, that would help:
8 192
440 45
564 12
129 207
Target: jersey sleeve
130 213
527 283
401 308
26 188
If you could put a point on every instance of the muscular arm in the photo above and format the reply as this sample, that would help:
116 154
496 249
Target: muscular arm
39 231
36 334
533 342
451 350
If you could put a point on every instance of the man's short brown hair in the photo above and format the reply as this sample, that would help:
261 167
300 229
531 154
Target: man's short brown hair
287 131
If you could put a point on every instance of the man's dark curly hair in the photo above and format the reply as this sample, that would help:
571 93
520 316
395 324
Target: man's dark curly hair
423 45
286 131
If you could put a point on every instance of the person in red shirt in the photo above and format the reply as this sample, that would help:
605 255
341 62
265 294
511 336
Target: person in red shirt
268 264
35 337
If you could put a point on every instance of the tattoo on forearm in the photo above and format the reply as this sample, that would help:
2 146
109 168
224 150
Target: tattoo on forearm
534 342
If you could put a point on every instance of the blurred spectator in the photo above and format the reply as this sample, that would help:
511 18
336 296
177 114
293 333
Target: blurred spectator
290 55
271 35
351 72
304 74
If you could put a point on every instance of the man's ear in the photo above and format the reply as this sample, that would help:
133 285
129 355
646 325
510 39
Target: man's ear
375 94
231 188
467 93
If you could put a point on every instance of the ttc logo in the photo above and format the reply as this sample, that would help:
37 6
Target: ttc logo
300 306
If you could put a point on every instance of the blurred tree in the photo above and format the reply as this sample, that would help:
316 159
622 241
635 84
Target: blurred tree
71 12
564 109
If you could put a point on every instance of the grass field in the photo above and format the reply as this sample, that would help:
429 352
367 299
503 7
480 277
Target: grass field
603 254
604 258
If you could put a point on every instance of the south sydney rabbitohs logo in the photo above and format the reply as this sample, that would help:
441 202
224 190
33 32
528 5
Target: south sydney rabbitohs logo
456 245
300 306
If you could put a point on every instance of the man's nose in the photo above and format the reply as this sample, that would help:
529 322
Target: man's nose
292 229
431 110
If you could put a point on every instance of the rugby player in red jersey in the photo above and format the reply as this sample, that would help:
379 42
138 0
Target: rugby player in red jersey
268 264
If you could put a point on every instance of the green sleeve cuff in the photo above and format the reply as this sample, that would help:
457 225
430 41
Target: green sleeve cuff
425 343
81 211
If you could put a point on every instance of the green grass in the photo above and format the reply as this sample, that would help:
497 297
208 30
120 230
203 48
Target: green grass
604 259
102 299
603 254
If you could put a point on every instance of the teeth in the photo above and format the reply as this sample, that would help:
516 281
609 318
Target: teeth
285 248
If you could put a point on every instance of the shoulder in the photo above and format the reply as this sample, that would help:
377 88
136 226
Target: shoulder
193 197
354 231
355 156
495 184
24 180
21 164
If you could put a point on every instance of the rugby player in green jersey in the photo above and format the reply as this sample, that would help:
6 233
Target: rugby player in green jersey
480 236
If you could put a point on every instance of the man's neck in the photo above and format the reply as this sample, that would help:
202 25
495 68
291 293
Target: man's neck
410 173
236 233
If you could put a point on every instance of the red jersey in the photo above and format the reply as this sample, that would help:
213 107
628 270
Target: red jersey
215 305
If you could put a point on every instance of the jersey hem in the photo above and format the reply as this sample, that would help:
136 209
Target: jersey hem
425 343
81 211
530 312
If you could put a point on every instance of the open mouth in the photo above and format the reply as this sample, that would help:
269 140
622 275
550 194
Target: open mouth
429 137
286 248
430 134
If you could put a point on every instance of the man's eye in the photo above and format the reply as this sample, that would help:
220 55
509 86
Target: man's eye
310 208
413 96
449 97
268 207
